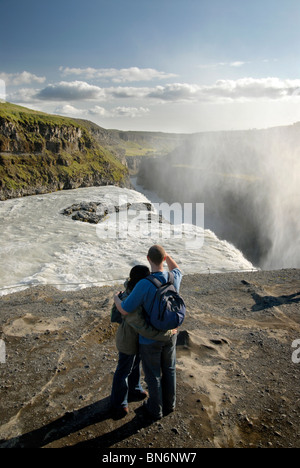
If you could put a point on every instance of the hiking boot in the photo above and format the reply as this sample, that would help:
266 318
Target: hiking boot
168 411
146 414
119 413
138 395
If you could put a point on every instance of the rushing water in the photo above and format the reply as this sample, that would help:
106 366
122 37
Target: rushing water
39 245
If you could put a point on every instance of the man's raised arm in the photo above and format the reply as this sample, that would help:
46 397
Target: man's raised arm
171 263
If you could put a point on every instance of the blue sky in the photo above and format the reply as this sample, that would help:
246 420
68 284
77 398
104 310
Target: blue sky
165 65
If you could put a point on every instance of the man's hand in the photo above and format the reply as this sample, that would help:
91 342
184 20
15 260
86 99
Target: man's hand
116 296
171 263
118 303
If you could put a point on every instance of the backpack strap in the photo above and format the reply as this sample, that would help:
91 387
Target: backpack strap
158 283
154 281
171 277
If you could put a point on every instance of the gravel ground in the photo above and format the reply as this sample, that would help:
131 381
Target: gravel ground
237 384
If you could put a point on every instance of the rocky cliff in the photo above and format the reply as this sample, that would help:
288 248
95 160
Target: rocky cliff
41 153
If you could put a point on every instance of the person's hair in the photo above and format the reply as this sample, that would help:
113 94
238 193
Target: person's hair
137 273
157 254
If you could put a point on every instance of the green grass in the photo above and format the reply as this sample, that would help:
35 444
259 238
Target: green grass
34 165
133 149
23 115
138 143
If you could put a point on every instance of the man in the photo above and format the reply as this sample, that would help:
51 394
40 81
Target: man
158 358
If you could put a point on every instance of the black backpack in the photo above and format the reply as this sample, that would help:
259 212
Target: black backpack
168 308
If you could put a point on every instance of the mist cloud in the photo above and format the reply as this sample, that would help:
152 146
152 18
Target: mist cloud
249 183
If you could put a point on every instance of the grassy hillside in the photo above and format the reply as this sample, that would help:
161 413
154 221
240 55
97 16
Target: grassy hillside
28 116
134 143
40 152
148 143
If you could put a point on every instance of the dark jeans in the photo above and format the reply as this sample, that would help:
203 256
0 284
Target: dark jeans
126 379
159 364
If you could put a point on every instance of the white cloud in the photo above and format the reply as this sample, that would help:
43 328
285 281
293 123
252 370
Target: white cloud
68 110
120 111
244 89
17 79
23 95
126 92
118 75
80 90
71 91
235 64
73 111
130 112
252 89
176 92
97 110
241 90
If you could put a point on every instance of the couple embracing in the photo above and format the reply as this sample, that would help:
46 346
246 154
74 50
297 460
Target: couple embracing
138 340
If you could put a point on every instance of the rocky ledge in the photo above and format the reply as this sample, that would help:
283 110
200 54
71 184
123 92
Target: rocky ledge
92 212
237 369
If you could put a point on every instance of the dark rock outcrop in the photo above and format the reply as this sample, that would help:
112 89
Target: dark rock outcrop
92 212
